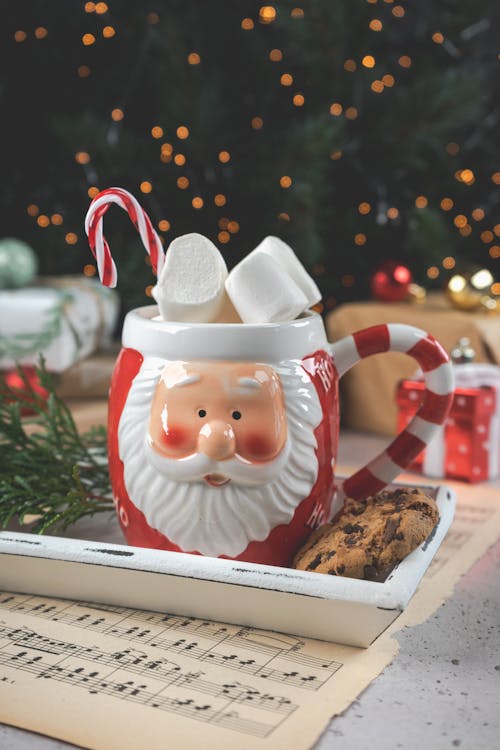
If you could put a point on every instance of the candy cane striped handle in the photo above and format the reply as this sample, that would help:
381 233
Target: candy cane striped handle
98 244
438 376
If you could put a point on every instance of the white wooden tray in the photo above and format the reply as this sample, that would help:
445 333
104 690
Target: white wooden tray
332 608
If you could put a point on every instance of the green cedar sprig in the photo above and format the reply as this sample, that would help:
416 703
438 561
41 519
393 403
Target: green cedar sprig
47 469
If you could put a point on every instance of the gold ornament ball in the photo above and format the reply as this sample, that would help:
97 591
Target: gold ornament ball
416 294
474 290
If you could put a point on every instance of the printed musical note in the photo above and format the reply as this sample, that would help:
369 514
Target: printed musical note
141 670
268 656
132 675
146 671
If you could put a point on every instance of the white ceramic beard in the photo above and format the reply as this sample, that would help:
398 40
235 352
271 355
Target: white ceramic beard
219 520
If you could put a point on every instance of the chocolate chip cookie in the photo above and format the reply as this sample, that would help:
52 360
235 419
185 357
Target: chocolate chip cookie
370 536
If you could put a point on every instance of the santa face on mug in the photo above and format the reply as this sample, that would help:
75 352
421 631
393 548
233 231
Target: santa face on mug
218 423
218 454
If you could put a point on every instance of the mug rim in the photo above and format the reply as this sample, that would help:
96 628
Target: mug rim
149 312
266 342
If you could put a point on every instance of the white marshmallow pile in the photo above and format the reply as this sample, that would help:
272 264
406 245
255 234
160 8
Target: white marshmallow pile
270 285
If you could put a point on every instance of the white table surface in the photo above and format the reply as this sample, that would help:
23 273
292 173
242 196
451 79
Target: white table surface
442 690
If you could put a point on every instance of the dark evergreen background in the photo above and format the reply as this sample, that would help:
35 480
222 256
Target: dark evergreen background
431 135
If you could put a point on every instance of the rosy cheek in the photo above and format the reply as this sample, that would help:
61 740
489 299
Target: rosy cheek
175 437
258 447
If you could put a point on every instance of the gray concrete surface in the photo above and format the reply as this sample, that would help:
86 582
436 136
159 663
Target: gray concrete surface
443 689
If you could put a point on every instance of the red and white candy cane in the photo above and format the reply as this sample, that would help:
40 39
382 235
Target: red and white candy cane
439 382
100 248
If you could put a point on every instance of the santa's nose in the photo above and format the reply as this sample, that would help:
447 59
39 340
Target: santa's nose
216 440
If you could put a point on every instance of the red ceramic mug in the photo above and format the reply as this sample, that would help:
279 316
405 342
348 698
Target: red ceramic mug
223 437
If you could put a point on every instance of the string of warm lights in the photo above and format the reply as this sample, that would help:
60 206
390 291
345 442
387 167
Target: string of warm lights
376 73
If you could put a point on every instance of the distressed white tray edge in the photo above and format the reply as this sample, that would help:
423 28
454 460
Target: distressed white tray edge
280 588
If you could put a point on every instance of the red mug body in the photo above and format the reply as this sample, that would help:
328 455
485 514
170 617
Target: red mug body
223 437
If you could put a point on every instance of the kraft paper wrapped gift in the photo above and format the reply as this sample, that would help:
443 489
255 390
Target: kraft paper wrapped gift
367 391
90 378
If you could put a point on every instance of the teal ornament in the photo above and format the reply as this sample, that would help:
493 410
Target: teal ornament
18 263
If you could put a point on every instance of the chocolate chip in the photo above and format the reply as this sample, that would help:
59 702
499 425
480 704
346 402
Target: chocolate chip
341 569
352 528
421 507
314 563
332 572
390 530
399 536
330 554
402 498
370 572
358 510
351 541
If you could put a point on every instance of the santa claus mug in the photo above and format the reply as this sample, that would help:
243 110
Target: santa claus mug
223 437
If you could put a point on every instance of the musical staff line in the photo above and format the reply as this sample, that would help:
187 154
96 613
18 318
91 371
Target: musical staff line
273 657
161 684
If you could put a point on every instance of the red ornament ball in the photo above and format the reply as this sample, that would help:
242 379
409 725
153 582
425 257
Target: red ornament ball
390 282
28 387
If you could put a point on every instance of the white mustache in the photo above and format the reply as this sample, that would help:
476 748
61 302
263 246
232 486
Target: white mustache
195 467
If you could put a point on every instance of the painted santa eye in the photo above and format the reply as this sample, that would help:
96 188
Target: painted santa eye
202 413
236 415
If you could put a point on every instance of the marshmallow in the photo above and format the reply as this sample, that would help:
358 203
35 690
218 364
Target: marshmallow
262 292
284 255
191 285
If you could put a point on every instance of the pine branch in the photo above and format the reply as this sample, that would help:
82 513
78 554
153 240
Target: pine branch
47 469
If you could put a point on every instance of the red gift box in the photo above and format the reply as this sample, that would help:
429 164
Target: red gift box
467 444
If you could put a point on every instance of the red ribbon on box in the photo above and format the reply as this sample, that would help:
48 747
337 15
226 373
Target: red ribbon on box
467 446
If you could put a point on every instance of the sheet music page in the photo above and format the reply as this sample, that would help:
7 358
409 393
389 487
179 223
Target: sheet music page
110 677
